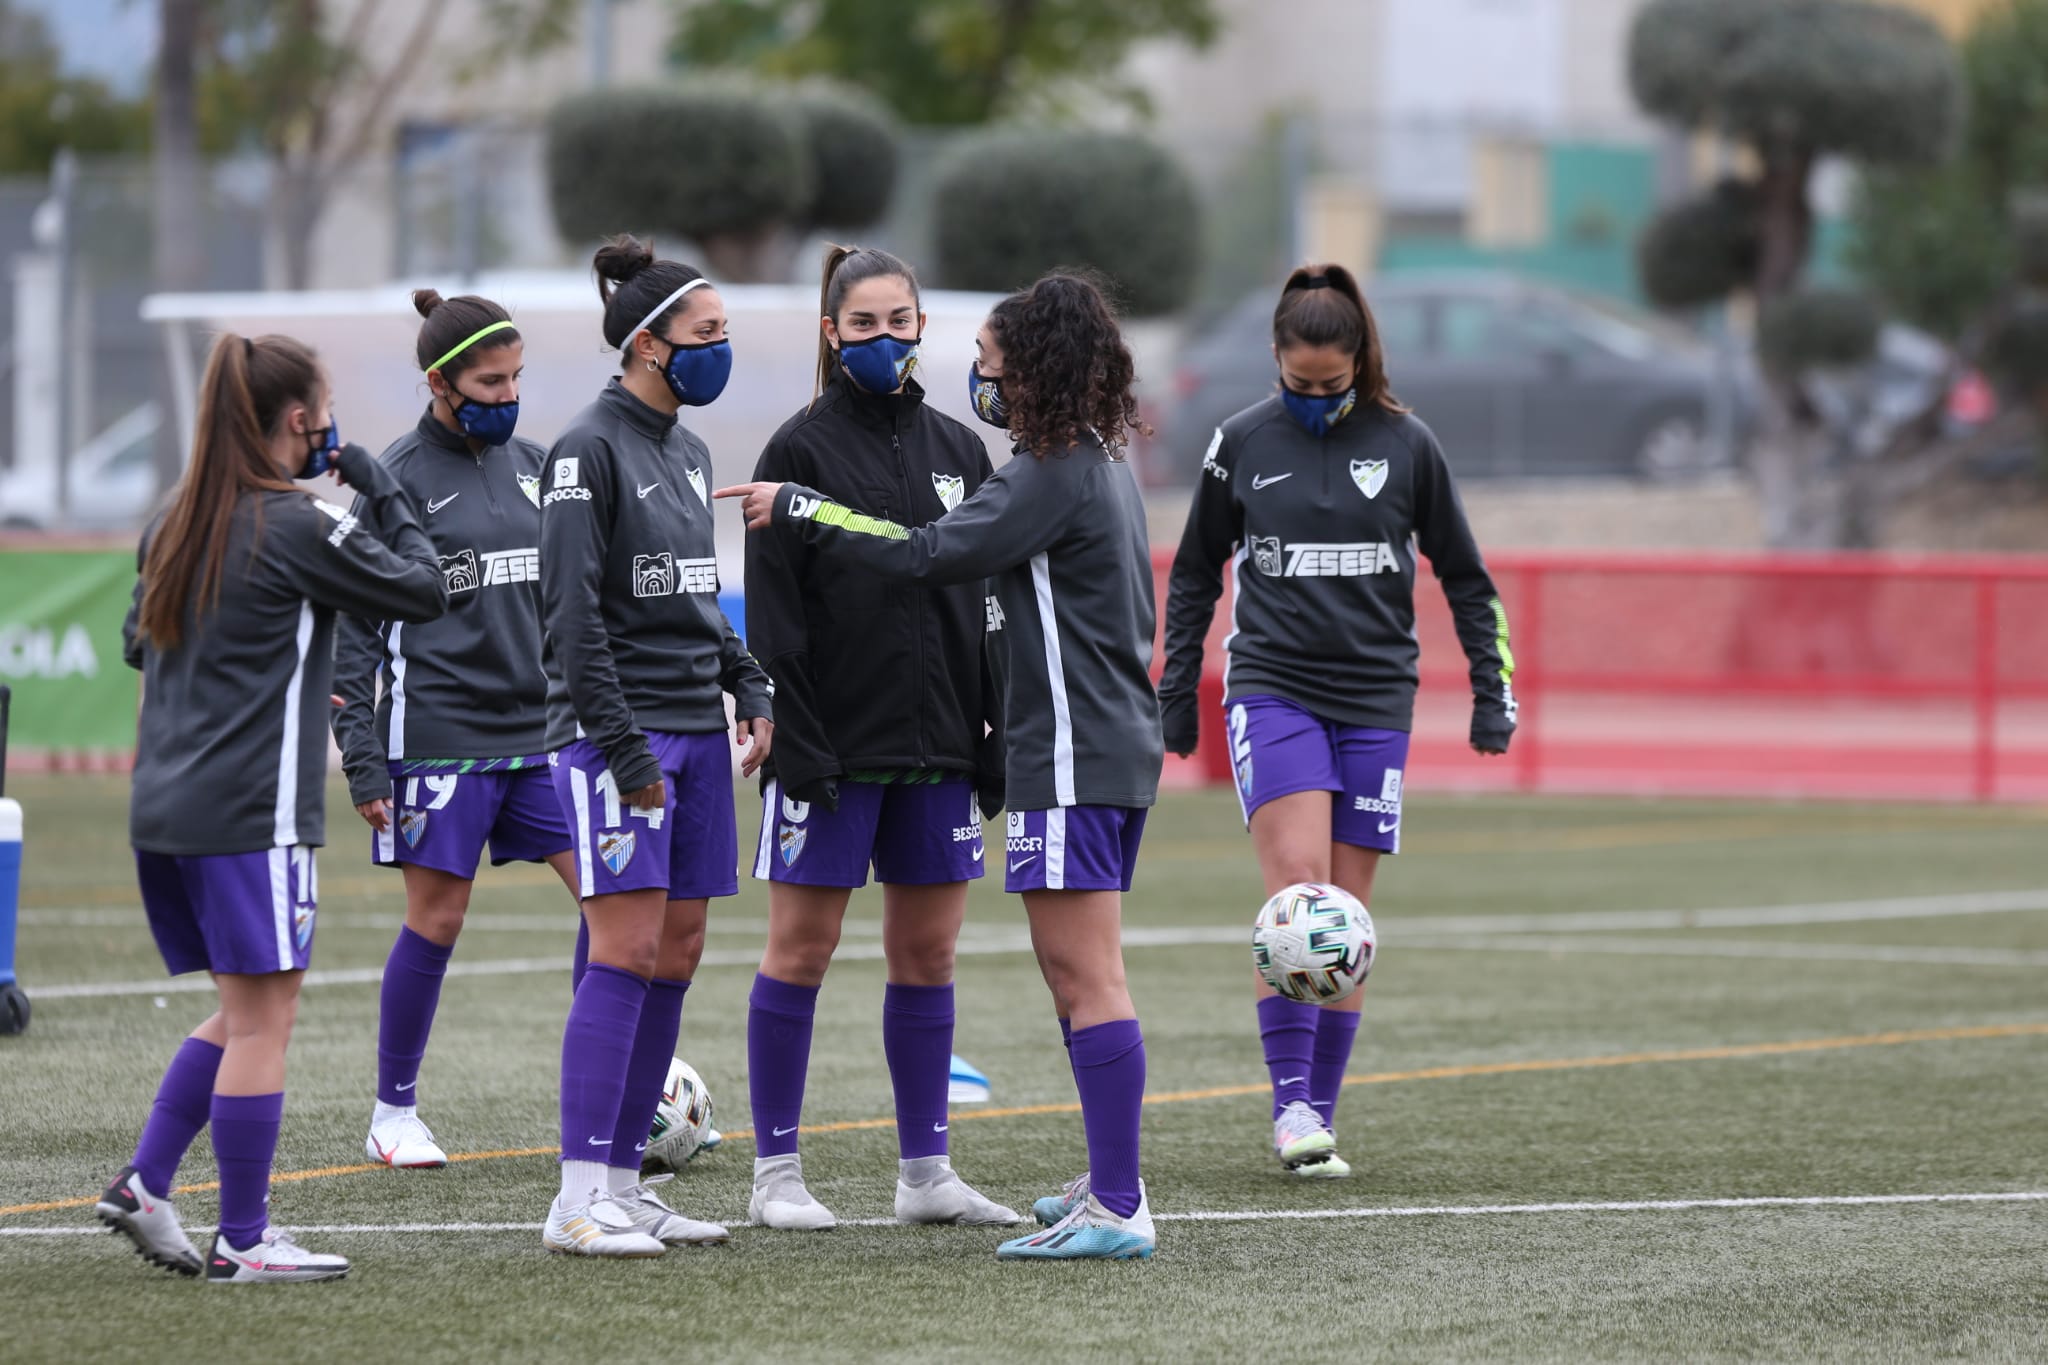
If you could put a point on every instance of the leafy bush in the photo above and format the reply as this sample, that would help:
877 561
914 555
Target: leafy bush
1011 205
853 147
1701 251
1817 329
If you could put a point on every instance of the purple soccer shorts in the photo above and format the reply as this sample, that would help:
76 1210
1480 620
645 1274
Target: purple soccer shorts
1278 748
1072 848
244 914
688 848
912 833
443 820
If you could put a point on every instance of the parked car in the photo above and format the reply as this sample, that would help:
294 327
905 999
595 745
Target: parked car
1516 378
112 481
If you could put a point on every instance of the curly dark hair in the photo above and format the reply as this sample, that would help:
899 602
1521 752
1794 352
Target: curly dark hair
1066 369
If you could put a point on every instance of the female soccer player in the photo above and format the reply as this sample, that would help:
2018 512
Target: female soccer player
456 742
1061 531
638 653
1325 491
877 766
233 629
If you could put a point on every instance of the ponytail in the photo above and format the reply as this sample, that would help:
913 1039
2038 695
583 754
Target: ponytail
845 267
248 386
1322 305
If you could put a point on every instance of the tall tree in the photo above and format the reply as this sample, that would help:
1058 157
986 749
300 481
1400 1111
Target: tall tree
42 110
1792 82
941 61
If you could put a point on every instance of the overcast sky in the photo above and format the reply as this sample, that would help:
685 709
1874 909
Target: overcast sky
112 39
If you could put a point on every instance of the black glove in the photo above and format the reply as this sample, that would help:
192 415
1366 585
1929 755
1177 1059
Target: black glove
1491 732
819 791
991 782
359 469
1180 720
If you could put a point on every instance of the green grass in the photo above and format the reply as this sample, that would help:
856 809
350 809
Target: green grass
1929 1281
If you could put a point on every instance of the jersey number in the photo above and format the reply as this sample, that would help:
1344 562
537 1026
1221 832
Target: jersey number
610 791
443 789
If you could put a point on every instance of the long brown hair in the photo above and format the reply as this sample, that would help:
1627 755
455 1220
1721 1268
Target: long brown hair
1066 369
248 386
1322 305
845 267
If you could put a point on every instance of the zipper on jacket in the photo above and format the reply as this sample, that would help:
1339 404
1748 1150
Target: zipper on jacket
920 604
484 477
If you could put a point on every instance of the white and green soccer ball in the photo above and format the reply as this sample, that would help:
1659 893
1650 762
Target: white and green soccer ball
1313 943
681 1120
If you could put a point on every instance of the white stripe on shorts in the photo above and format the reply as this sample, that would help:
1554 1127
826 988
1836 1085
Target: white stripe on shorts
281 904
579 797
1056 849
771 801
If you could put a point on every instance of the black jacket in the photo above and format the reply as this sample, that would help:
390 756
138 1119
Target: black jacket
629 589
871 674
1322 533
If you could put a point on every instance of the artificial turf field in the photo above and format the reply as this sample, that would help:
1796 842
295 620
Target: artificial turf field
1554 1055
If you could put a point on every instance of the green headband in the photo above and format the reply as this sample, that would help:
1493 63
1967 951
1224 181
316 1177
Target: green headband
470 341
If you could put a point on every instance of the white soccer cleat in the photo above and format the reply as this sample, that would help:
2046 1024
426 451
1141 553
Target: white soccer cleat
277 1259
930 1191
1090 1233
401 1140
149 1221
1300 1138
780 1199
1331 1167
663 1223
597 1227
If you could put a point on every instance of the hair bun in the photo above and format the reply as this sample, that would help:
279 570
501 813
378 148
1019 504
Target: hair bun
622 257
425 301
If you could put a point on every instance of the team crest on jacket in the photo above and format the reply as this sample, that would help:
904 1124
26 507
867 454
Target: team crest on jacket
791 839
529 484
950 488
413 825
616 847
1370 476
697 486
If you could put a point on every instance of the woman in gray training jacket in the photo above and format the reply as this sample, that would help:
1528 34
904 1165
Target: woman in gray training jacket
233 629
453 756
639 658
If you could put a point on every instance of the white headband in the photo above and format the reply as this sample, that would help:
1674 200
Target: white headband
648 322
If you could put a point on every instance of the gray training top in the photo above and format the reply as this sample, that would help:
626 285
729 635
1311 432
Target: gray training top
231 756
470 684
629 589
1322 533
1062 541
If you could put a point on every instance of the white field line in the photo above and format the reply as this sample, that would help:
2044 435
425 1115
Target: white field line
1822 912
101 917
1818 1201
1575 944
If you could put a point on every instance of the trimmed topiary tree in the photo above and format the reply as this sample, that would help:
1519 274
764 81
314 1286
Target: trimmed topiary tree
854 151
726 165
1012 204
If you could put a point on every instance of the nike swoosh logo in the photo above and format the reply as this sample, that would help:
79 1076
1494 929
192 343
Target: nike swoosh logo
1022 862
599 1142
649 489
1261 481
1290 1080
1386 828
437 504
641 1147
784 1132
940 1127
407 1086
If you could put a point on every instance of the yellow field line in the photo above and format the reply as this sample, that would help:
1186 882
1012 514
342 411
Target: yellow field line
1734 1051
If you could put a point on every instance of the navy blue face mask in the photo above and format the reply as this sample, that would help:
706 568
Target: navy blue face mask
881 363
320 458
1317 413
986 396
696 374
491 423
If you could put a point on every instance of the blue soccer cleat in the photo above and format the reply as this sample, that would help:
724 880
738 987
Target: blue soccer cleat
1090 1233
1055 1207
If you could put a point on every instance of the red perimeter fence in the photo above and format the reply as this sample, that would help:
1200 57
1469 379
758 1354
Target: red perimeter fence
1847 676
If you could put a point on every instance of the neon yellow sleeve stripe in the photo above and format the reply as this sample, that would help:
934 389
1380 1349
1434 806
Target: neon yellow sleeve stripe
1500 640
859 523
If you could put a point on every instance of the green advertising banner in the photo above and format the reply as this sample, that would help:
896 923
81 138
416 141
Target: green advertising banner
60 648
